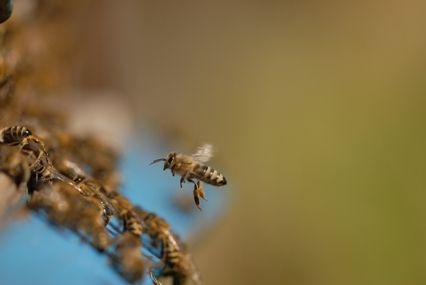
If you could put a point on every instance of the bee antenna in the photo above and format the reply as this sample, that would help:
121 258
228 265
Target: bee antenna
157 160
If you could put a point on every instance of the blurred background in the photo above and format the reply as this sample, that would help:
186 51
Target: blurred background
317 110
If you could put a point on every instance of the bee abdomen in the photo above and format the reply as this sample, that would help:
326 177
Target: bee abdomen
209 175
14 135
132 224
173 255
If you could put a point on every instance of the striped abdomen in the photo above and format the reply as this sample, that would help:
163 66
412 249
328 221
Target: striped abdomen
179 264
176 261
132 223
173 255
209 175
14 135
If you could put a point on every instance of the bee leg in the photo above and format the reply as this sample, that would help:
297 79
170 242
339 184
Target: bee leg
182 180
197 199
199 188
172 169
197 194
153 278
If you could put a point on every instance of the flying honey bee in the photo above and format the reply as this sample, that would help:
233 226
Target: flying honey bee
192 168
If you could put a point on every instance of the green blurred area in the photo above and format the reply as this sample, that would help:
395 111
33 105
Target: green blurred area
318 111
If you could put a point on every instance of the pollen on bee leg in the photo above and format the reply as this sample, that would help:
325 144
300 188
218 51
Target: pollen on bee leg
198 193
197 199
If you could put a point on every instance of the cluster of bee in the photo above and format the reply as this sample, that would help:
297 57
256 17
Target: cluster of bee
71 198
73 183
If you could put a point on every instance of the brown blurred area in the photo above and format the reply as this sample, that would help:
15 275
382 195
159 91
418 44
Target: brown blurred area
317 110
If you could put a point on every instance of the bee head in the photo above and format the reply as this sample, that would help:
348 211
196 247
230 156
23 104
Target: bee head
169 161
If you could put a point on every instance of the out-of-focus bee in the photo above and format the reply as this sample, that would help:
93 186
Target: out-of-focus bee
35 154
89 187
7 87
125 209
192 168
14 135
5 10
177 263
100 158
129 261
113 203
127 257
65 207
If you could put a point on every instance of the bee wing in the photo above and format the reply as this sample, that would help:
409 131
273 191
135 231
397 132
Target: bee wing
204 153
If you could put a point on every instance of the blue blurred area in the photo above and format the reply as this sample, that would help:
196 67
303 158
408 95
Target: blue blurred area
32 252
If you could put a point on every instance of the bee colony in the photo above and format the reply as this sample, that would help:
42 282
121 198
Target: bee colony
68 179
